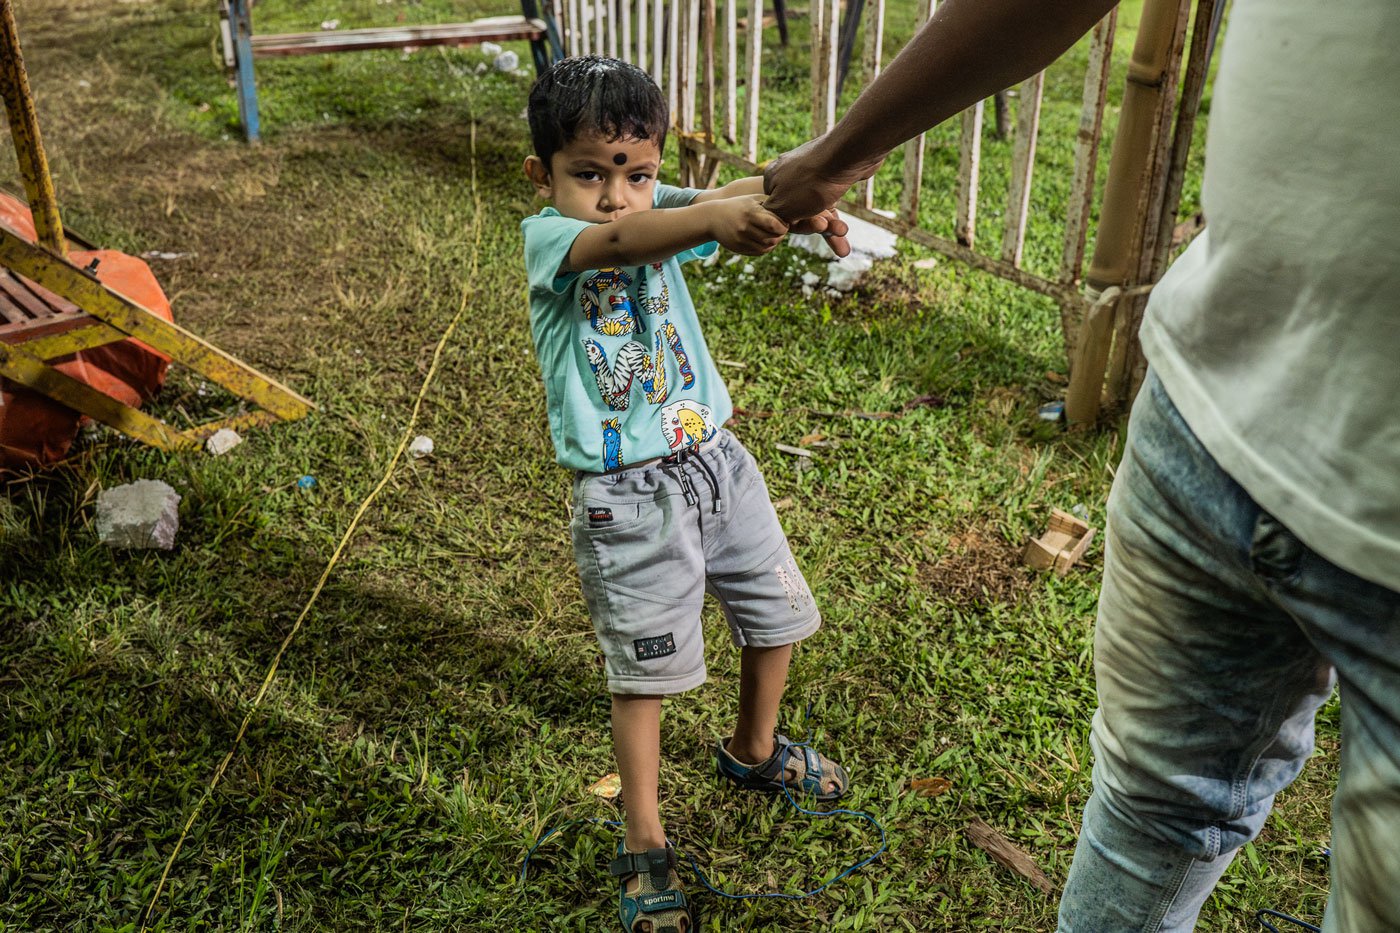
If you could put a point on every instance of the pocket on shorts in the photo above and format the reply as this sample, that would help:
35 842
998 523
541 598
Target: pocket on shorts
641 551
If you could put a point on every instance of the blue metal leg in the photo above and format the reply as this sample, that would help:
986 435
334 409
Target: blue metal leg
242 23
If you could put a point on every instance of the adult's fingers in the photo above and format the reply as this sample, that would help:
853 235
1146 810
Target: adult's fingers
835 226
839 244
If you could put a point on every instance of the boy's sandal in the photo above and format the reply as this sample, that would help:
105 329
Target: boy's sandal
657 904
801 769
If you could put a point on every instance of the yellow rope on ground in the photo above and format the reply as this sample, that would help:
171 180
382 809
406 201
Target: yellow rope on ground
340 548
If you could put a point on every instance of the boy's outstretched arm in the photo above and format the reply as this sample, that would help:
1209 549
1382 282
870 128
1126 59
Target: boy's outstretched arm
739 224
753 184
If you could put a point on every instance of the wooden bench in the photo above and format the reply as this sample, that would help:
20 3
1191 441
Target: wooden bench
241 46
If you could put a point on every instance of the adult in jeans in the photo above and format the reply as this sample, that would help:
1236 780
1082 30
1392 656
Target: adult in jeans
1253 540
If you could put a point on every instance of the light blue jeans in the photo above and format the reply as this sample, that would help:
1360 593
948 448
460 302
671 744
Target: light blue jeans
1219 635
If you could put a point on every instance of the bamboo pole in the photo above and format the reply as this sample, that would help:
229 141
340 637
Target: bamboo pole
1086 156
1135 180
643 34
1127 365
1126 354
1198 65
29 146
1018 198
599 39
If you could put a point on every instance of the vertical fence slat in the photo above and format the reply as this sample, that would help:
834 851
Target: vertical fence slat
817 13
833 68
707 67
610 26
643 34
692 59
914 149
1086 156
731 70
673 59
874 48
1126 356
1191 89
625 7
969 166
753 79
600 41
575 44
658 41
1018 198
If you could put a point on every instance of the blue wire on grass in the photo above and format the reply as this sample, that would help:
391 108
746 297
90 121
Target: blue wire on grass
525 865
822 814
787 792
1263 915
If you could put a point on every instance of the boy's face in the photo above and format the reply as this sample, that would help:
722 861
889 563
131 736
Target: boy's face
596 179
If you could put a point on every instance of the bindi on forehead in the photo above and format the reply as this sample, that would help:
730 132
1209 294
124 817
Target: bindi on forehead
620 158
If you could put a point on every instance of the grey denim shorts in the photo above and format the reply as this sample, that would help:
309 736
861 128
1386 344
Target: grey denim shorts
651 541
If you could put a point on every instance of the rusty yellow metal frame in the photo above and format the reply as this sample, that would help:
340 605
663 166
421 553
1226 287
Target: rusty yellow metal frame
24 128
116 317
111 316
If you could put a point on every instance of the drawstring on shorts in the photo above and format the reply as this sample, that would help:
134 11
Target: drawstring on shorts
679 459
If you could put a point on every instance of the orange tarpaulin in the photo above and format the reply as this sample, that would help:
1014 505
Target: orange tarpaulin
34 429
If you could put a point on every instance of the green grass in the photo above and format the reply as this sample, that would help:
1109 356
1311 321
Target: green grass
444 704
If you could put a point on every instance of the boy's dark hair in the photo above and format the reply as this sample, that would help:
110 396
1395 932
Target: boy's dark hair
592 94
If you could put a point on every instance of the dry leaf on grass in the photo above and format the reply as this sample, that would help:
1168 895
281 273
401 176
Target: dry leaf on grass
609 787
930 787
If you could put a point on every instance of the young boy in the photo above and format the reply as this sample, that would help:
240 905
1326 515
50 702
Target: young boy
667 504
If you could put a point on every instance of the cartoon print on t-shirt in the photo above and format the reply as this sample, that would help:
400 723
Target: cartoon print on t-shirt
633 362
687 424
611 284
652 293
612 444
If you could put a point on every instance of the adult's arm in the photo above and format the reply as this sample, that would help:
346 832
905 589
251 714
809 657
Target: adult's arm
968 50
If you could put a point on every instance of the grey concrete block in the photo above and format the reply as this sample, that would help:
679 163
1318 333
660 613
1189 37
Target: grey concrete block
143 514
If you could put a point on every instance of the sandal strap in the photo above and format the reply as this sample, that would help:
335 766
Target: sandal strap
655 862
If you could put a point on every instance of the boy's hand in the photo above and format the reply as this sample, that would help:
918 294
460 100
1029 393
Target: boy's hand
744 225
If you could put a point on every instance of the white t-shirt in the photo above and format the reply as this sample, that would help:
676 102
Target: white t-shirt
1277 332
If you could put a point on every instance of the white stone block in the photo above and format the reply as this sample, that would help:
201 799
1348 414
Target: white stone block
143 514
222 441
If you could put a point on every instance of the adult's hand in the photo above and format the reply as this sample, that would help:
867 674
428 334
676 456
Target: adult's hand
808 180
968 50
830 225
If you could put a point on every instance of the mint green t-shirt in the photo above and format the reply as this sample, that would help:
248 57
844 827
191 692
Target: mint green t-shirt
627 375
